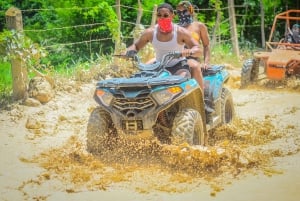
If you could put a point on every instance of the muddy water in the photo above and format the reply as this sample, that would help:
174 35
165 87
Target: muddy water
284 186
145 166
254 158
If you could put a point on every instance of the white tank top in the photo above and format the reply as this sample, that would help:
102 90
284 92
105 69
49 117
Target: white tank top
162 48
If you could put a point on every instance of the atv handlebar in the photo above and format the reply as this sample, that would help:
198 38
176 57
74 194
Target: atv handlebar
132 54
174 54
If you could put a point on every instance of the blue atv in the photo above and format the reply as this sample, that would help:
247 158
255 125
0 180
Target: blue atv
152 100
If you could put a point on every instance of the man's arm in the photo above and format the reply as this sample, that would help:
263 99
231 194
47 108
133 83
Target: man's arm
142 41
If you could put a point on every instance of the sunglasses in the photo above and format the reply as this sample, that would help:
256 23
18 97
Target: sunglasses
163 16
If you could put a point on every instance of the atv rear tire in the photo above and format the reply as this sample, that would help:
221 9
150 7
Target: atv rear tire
188 127
100 131
227 107
249 72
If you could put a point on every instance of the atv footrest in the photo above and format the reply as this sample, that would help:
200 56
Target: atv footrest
213 70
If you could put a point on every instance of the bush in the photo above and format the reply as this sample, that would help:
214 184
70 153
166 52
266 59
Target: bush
5 84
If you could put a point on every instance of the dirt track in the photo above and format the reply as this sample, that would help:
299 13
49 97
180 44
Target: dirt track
257 157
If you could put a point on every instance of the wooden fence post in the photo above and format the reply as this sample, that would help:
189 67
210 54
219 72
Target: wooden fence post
139 14
19 71
153 20
234 37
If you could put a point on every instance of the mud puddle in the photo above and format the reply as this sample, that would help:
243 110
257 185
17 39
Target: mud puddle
144 165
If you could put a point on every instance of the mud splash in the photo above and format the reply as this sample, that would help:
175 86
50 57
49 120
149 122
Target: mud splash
291 84
145 165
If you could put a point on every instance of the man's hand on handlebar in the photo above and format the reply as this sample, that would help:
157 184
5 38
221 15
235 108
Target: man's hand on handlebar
131 53
183 53
187 53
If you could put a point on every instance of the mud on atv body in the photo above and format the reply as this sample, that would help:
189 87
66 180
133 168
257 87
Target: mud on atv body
153 100
281 60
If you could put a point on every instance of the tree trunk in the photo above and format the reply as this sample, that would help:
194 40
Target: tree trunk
118 40
244 23
234 37
19 71
262 25
153 21
139 14
216 28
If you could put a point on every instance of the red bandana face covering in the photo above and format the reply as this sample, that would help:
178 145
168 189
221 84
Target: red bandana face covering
165 25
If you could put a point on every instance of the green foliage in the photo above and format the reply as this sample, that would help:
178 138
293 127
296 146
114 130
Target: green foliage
5 83
75 31
3 36
224 54
71 23
17 45
4 5
148 8
5 78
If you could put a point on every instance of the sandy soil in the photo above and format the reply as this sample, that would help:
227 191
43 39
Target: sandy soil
43 156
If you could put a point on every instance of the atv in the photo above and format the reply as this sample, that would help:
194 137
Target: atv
282 58
152 100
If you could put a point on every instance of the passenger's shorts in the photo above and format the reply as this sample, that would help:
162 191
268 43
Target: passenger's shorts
182 65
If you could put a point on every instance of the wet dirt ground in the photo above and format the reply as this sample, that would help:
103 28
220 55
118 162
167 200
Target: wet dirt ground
256 157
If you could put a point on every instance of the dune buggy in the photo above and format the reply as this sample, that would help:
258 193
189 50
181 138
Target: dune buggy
282 58
152 100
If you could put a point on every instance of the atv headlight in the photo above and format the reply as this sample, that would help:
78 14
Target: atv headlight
104 96
166 95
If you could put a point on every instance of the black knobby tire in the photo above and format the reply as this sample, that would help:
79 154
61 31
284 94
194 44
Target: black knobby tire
227 107
188 126
249 72
100 130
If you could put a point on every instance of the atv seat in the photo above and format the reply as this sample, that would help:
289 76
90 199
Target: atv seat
213 70
145 74
149 67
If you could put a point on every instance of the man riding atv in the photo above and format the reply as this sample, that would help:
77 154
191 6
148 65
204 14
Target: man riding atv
161 98
167 37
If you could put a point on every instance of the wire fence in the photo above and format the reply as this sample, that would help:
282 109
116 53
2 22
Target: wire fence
223 36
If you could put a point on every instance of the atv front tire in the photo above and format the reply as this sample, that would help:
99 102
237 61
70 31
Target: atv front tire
100 131
249 72
227 107
188 127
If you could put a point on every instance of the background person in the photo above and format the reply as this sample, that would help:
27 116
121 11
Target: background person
294 34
